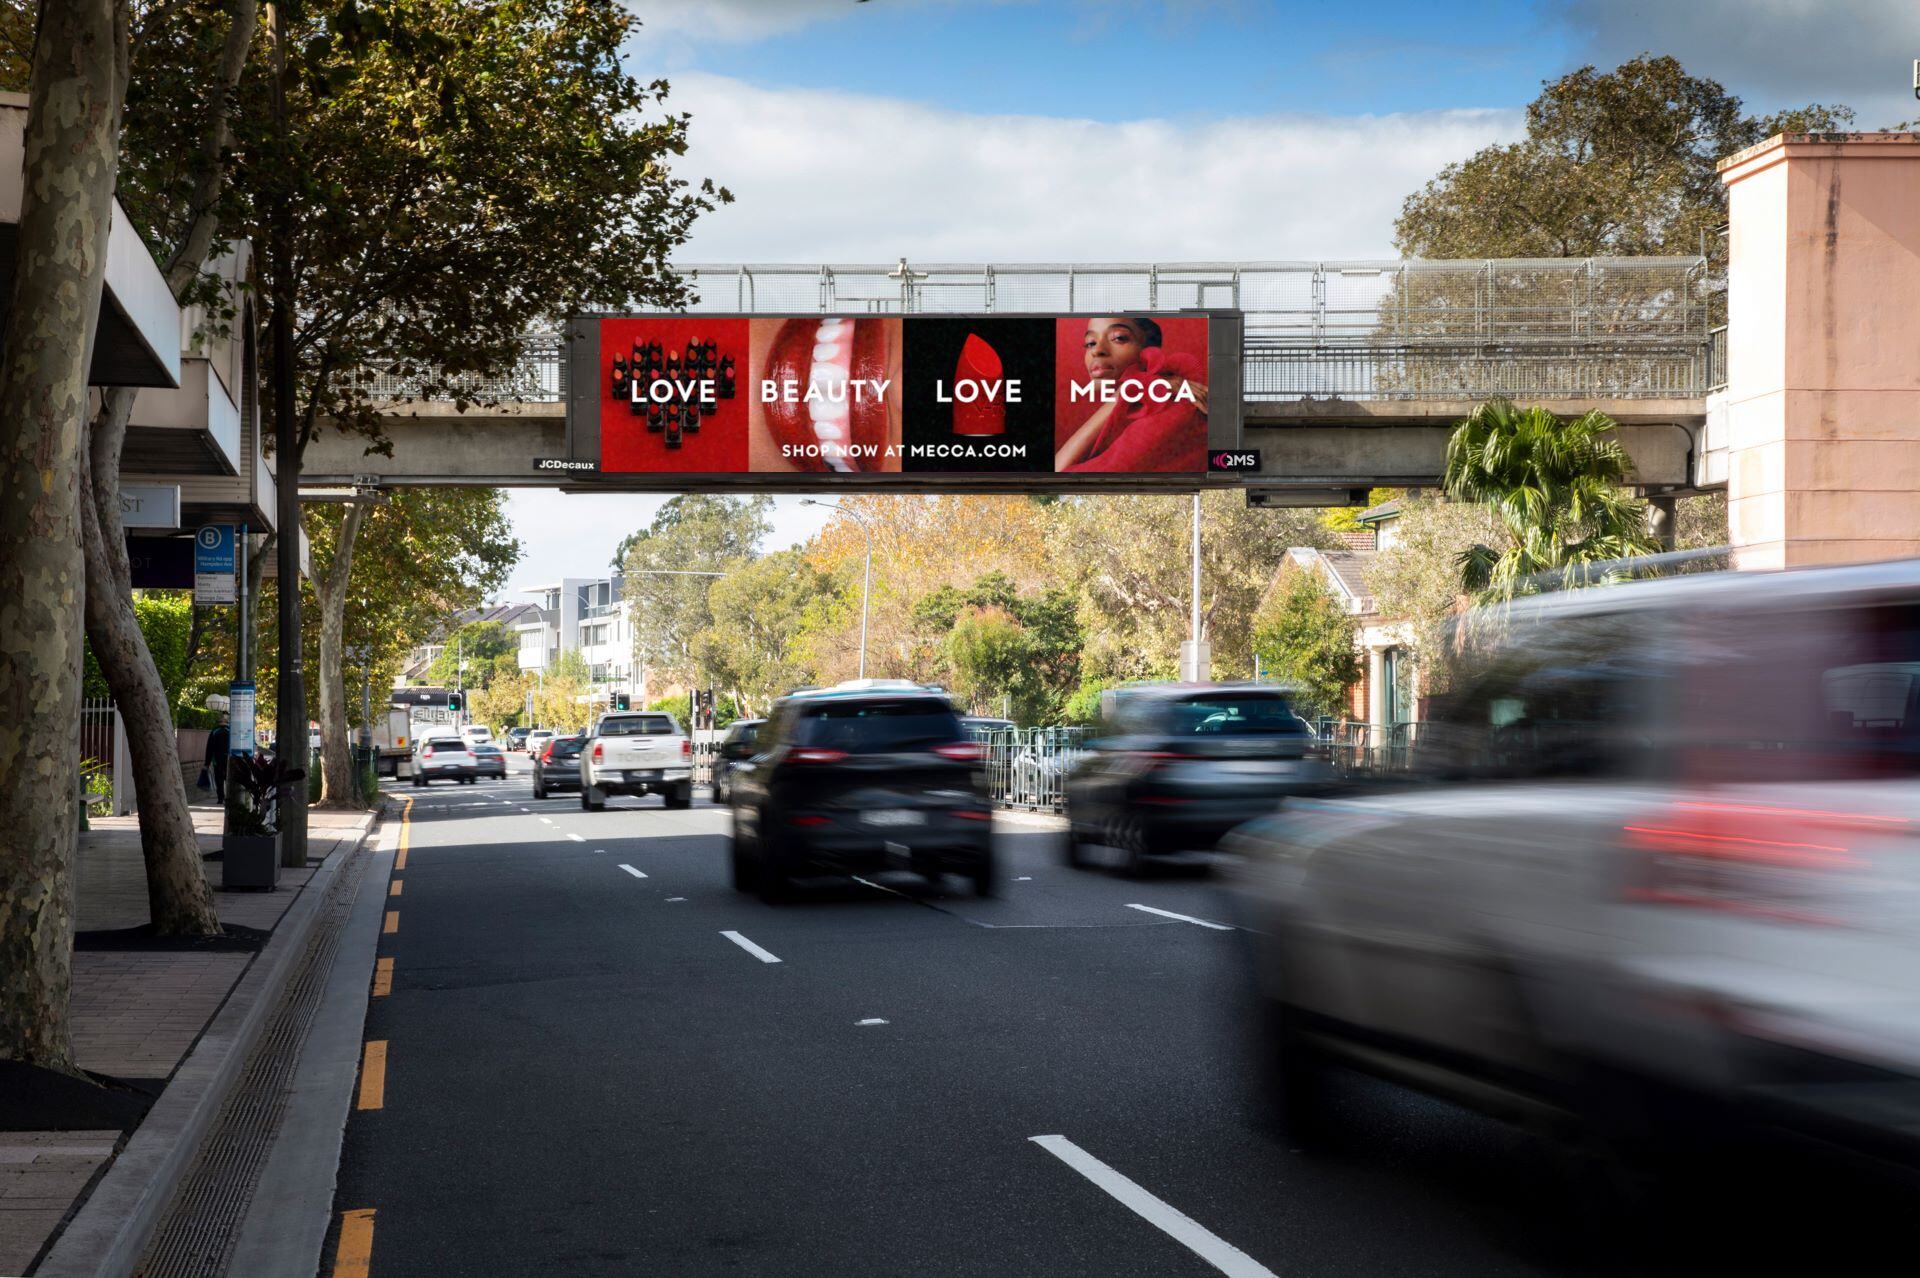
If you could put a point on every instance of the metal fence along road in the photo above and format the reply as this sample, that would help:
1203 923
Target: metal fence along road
1027 767
1389 330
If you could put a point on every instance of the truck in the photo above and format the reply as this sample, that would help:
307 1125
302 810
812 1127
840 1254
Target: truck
636 752
393 737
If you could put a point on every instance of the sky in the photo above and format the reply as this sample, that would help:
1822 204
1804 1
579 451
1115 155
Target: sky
1145 130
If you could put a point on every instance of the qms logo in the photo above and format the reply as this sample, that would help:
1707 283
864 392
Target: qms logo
1244 459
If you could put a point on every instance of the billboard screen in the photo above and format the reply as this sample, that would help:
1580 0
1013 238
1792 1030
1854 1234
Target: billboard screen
891 395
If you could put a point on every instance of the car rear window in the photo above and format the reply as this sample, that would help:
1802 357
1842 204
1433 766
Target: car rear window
1233 717
566 747
447 743
646 725
876 727
742 732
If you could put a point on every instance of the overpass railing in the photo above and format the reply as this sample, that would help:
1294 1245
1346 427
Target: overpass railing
1589 327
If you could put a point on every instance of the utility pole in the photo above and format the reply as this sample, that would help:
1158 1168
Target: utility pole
1196 659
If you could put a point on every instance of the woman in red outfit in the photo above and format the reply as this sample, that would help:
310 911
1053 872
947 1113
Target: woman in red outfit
1125 436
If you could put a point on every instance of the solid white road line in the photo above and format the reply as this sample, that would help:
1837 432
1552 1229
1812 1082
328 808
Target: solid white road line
871 1020
1179 1226
1184 918
635 873
750 947
578 838
546 820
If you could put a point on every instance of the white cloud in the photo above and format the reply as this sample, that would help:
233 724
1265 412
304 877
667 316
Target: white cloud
829 176
1776 53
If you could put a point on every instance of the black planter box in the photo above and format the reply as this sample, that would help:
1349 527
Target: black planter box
250 861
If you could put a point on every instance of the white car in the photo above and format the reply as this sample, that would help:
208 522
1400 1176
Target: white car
1656 864
475 733
636 752
537 741
444 757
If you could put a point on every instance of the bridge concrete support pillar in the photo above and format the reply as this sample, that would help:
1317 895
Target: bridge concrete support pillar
1660 519
1823 349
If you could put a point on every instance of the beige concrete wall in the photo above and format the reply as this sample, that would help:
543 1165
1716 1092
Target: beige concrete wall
1823 352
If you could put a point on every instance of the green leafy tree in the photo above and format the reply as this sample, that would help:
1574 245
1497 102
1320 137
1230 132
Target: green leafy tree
751 646
1613 163
427 182
689 534
1556 489
560 697
1000 648
1303 635
385 577
489 650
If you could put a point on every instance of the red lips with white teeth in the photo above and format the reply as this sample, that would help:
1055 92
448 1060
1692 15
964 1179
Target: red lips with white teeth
837 364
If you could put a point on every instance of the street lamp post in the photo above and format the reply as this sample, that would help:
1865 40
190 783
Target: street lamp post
866 585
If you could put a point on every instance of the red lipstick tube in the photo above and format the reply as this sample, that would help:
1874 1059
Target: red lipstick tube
979 363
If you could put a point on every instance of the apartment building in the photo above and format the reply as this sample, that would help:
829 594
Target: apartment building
587 615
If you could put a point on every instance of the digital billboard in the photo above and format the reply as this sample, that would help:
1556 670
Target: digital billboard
890 395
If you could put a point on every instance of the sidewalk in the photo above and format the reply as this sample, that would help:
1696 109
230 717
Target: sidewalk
136 1013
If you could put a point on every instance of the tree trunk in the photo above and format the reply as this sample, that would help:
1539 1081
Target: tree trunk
72 157
178 899
336 760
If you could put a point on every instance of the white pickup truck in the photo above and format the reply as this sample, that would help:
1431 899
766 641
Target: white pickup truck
637 752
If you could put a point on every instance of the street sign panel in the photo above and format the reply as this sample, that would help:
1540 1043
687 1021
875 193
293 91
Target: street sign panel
240 718
213 565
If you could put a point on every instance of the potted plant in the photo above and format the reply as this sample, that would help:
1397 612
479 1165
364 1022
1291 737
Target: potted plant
251 848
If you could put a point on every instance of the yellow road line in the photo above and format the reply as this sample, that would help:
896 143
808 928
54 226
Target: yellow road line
406 832
393 922
355 1254
394 888
373 1075
382 977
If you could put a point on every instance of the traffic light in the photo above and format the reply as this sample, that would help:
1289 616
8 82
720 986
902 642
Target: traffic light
453 702
622 702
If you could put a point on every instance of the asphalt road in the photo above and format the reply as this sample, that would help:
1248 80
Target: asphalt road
593 1068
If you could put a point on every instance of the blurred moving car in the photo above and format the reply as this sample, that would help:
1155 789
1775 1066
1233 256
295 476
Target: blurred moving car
1175 766
638 753
488 761
738 744
1658 865
556 766
978 724
868 775
443 757
517 738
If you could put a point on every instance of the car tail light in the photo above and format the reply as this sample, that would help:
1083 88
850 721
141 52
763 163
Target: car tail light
806 819
427 753
686 749
599 752
968 814
965 751
816 754
546 755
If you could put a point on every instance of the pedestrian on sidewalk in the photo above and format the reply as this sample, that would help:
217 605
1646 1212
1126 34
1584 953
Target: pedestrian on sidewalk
218 742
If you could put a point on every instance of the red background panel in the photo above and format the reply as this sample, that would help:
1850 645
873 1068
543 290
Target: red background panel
1186 335
719 447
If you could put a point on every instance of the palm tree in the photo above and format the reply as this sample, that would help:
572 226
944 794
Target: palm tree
1556 487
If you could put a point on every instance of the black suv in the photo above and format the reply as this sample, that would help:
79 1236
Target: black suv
872 775
1178 765
557 766
736 746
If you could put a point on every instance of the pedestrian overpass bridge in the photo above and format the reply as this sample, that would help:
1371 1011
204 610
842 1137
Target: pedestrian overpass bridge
1353 373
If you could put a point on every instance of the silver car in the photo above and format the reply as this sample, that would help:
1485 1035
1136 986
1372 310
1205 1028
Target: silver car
1656 866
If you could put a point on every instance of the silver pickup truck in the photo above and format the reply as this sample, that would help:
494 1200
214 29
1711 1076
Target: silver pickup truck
638 752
